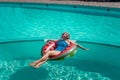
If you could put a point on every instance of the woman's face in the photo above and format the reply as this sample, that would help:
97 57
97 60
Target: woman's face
65 36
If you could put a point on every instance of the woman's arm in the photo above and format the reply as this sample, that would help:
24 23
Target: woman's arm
79 45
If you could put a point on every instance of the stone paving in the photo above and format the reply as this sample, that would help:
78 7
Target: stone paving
103 4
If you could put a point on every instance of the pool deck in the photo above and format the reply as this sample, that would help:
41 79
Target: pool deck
103 4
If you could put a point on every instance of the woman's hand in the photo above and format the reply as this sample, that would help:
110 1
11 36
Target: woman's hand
86 49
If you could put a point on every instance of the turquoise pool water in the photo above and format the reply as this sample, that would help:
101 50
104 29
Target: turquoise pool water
24 26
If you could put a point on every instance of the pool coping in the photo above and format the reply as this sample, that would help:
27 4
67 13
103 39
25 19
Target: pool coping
99 4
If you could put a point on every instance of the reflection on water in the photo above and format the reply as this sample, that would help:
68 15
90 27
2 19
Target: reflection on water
16 70
101 62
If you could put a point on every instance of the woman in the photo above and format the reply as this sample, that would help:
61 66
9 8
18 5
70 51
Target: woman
61 45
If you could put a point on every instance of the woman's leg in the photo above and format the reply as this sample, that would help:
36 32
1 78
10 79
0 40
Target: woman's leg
46 57
35 62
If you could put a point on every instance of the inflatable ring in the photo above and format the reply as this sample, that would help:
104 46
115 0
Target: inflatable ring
51 45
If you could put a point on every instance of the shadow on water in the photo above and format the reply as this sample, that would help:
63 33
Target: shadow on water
103 68
29 73
1 70
91 66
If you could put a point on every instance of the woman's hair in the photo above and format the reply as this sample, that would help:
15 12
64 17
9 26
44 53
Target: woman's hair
68 35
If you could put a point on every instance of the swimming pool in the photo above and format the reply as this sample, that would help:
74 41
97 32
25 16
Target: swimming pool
24 26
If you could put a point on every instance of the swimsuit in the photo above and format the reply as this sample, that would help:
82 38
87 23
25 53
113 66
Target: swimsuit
61 45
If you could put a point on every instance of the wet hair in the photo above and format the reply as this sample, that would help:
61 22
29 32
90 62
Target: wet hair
68 35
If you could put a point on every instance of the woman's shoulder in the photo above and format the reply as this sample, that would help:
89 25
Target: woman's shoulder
72 41
69 40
